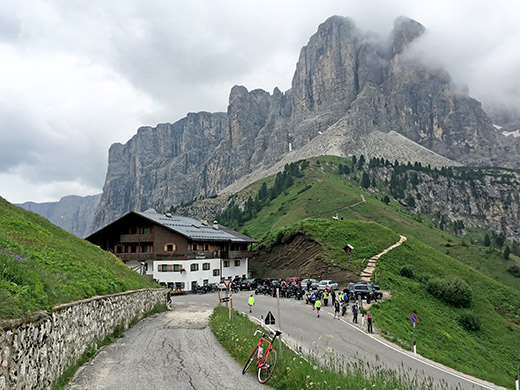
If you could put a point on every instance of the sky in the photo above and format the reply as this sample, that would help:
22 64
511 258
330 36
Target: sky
78 76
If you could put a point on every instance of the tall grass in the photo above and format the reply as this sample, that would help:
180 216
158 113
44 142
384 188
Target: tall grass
315 371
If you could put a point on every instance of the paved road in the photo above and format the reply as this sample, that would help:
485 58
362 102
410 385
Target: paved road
326 337
172 350
177 350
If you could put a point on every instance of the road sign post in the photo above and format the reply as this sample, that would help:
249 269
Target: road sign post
414 319
279 318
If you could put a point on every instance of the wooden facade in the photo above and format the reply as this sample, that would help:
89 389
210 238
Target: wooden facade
176 251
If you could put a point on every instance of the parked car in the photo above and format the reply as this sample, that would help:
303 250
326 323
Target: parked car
377 291
361 290
249 284
314 283
327 284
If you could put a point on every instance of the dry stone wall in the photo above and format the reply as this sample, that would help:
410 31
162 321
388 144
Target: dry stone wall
35 352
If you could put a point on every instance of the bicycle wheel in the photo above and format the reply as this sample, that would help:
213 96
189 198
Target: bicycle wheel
265 372
250 360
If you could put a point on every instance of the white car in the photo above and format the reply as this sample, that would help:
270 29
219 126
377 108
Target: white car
327 284
314 283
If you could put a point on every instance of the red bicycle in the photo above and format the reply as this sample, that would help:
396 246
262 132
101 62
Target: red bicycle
265 359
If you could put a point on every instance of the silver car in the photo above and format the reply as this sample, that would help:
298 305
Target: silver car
327 284
314 283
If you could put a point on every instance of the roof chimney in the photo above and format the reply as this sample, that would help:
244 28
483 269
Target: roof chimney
215 225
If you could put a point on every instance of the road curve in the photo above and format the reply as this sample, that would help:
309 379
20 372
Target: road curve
350 344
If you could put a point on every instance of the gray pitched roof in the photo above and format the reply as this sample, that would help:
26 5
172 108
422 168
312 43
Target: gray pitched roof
195 229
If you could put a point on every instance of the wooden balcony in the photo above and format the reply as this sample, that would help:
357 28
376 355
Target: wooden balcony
135 256
132 238
203 254
237 254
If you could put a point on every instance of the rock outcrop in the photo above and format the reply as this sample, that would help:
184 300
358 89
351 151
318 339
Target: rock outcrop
352 93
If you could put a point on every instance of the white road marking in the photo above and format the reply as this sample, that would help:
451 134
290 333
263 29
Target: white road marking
414 358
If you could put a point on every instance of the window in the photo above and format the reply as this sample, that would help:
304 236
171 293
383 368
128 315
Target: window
194 267
205 282
170 248
177 268
216 272
164 268
206 247
119 249
237 263
132 230
226 263
194 247
146 230
205 266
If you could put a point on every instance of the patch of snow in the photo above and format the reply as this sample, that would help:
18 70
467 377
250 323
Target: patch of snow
515 133
497 127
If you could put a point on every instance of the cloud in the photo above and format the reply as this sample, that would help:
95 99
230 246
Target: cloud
78 76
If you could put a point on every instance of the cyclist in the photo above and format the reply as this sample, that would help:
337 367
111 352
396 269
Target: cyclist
326 297
317 305
336 308
313 300
251 302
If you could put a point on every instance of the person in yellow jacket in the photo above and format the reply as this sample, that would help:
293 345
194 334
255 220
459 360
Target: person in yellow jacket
317 305
326 297
251 302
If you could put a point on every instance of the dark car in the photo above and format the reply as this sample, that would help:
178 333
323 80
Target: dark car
377 291
361 290
249 284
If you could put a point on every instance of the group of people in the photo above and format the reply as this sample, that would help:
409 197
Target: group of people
340 304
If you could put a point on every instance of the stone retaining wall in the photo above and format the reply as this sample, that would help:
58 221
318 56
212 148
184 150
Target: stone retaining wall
34 353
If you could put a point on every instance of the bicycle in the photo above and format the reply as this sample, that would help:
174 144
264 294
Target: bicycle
265 360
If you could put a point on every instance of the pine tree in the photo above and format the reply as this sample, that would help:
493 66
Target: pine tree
507 252
365 180
487 240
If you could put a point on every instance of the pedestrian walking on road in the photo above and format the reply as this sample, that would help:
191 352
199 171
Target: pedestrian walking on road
354 312
251 302
336 308
332 296
313 300
325 297
317 305
369 322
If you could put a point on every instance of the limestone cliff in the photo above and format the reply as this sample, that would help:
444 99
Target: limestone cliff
352 93
72 213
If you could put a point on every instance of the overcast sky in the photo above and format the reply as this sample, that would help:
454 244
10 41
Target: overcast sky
79 75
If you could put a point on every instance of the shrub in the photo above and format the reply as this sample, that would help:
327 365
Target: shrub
470 321
406 271
455 292
514 270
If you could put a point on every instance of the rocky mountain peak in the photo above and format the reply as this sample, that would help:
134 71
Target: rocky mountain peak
405 31
351 94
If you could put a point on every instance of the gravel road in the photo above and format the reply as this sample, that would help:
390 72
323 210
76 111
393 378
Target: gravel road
171 350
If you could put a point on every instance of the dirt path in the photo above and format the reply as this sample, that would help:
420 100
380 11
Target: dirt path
366 274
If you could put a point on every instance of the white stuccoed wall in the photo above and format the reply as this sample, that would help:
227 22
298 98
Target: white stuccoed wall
34 353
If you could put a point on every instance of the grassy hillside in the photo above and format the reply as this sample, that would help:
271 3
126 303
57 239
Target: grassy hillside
468 304
487 346
367 238
41 265
321 190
